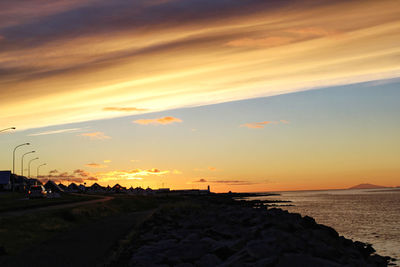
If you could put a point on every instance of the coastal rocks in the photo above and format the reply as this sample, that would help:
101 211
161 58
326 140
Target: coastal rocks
210 234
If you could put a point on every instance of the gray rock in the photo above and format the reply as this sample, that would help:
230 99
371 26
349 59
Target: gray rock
208 260
262 248
238 259
184 264
266 262
303 260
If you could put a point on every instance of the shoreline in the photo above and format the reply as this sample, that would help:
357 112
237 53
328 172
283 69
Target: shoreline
217 230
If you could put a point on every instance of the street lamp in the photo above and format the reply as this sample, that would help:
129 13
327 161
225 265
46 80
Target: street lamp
11 128
37 173
22 161
29 167
14 155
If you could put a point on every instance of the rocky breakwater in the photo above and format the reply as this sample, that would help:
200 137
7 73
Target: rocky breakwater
209 234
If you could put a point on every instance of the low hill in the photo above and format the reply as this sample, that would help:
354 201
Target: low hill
367 186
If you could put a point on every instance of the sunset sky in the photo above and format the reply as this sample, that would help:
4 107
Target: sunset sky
243 95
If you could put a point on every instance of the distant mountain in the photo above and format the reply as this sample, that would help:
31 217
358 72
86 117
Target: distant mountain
367 186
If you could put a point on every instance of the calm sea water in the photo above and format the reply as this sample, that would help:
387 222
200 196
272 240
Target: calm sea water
369 216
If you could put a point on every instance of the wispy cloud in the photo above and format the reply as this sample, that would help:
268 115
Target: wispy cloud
124 109
95 165
259 125
77 176
81 172
136 174
96 135
106 161
70 130
163 121
227 182
202 57
260 42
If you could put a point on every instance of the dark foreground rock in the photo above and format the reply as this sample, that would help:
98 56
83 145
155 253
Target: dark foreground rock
209 234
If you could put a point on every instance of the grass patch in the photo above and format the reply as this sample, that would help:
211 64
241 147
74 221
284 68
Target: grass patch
17 233
12 201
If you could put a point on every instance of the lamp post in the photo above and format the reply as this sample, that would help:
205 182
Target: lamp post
14 155
29 167
37 173
22 161
11 128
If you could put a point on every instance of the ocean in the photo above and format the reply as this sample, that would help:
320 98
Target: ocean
367 215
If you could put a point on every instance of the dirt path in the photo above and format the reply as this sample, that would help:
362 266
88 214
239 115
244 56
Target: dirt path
53 207
88 245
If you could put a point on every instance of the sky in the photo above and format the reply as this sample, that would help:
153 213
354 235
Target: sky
239 95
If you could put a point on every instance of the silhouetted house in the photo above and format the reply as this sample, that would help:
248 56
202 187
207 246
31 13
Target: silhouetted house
73 188
149 191
63 187
53 187
82 188
5 180
138 191
96 188
118 189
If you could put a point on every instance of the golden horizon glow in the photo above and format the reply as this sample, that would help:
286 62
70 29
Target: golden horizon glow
146 93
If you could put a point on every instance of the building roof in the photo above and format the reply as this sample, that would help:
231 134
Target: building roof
53 186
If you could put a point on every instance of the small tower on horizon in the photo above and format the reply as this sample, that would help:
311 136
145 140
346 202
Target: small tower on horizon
208 188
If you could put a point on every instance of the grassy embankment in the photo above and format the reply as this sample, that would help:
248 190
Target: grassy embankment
13 201
17 233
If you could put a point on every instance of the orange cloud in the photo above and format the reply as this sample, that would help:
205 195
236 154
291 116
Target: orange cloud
78 176
256 125
124 109
106 161
213 169
96 135
260 42
95 165
163 121
129 175
316 31
285 37
259 125
84 63
82 173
